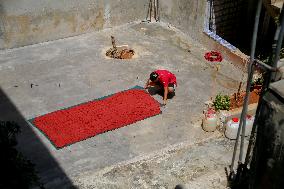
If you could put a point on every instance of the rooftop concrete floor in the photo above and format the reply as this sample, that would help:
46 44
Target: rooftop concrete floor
197 166
79 65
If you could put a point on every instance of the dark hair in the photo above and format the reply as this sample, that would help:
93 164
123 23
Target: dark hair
153 76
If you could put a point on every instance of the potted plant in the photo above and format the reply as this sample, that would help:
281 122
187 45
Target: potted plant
221 102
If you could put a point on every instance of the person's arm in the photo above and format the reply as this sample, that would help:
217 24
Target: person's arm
166 91
147 84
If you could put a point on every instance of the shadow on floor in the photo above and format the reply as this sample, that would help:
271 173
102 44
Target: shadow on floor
32 148
154 90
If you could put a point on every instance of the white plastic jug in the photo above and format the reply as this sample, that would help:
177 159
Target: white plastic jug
209 122
232 128
249 124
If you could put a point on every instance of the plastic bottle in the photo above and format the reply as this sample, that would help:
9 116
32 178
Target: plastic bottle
249 124
209 123
232 128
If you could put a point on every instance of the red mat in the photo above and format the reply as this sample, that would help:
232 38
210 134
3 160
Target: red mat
80 122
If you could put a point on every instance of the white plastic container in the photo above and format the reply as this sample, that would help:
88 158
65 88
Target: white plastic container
222 115
209 122
249 124
232 128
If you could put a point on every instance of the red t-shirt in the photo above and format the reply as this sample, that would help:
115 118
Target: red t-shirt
166 77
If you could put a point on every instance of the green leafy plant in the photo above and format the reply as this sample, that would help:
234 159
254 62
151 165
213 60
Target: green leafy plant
221 102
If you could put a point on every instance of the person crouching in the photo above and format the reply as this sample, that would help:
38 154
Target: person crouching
164 81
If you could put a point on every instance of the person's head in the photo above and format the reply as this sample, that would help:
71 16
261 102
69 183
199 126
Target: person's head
154 76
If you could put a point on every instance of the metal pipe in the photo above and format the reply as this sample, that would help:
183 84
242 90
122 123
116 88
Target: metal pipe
242 120
151 4
148 12
276 47
210 14
242 125
158 11
279 39
270 69
113 42
250 75
155 10
266 66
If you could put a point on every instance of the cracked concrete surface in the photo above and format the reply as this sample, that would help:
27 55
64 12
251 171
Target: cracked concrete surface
79 66
194 166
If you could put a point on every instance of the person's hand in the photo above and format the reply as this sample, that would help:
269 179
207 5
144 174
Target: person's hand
165 102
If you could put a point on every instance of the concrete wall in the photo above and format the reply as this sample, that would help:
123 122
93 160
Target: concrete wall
266 168
27 22
190 16
186 15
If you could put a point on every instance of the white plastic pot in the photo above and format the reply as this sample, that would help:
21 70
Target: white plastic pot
209 122
233 125
232 128
249 124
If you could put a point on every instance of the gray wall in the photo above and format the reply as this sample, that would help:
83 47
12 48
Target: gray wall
267 162
25 22
186 15
190 16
